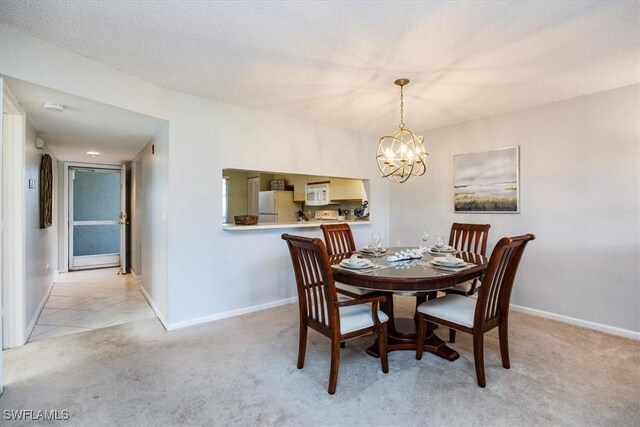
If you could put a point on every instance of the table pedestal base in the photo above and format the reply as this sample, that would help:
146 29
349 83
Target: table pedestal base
401 334
407 341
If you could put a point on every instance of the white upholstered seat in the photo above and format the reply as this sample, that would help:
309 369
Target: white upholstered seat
454 308
356 317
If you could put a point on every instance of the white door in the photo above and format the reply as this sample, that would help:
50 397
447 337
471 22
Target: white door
94 217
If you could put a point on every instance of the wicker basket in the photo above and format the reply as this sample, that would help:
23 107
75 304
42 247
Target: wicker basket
246 219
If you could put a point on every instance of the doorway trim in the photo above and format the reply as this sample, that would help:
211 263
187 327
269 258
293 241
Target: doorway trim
65 205
14 308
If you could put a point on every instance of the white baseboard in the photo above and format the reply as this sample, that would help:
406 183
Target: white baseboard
134 274
34 321
227 314
56 271
154 307
191 322
579 322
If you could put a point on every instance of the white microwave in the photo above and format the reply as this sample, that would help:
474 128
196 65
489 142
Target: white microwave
316 194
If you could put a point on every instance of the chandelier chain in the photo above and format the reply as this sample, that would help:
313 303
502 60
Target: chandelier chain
402 107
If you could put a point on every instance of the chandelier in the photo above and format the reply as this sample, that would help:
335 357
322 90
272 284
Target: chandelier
401 156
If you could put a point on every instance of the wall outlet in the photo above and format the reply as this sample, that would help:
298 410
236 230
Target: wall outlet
32 183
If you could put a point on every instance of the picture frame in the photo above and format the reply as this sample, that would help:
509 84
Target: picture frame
46 192
487 181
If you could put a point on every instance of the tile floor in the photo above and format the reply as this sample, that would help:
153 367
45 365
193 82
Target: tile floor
90 299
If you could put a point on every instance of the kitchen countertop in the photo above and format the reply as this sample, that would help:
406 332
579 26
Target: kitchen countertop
296 224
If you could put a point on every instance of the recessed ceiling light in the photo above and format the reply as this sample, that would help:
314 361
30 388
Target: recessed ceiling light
93 153
53 107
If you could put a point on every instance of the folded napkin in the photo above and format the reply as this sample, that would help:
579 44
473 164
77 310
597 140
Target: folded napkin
405 255
356 261
397 257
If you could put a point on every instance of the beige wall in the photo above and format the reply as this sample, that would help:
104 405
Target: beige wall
579 194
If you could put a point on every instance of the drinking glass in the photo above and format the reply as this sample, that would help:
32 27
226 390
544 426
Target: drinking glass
425 237
439 242
376 244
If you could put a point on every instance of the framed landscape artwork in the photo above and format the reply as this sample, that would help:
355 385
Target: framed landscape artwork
487 182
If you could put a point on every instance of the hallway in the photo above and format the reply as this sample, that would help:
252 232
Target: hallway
81 301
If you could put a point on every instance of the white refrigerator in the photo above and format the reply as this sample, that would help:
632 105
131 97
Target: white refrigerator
277 206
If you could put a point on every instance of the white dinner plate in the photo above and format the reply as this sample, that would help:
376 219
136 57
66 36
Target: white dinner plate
368 250
346 264
446 250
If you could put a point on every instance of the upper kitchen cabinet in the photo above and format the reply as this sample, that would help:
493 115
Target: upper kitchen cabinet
340 189
346 190
298 182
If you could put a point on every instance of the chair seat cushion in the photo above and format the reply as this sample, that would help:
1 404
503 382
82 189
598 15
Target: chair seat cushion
356 317
453 308
353 289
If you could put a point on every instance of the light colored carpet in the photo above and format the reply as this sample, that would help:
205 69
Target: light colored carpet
241 371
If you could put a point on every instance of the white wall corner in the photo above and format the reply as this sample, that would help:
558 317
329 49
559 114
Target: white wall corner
34 320
155 308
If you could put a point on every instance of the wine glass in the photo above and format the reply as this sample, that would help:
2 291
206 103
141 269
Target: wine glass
376 244
425 237
439 242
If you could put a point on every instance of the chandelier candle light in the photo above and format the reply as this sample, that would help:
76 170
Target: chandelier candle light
401 155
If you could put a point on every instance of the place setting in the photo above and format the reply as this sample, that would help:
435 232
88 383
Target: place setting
375 248
449 263
358 264
368 250
439 248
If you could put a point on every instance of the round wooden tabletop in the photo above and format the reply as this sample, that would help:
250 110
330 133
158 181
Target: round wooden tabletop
416 275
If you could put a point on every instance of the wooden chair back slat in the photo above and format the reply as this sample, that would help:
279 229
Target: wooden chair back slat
339 239
497 282
469 237
314 281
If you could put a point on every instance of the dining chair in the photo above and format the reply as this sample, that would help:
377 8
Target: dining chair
470 238
321 309
340 245
489 310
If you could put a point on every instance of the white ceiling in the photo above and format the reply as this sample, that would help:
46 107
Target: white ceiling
84 125
335 62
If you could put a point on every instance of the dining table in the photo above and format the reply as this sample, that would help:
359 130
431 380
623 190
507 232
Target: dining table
419 278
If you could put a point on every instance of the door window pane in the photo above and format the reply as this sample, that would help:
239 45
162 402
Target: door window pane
96 196
96 239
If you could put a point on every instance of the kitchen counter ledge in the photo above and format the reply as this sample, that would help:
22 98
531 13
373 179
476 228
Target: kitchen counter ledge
306 224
